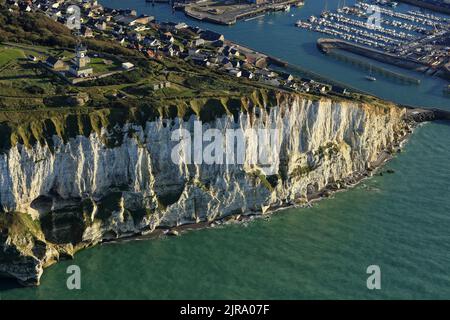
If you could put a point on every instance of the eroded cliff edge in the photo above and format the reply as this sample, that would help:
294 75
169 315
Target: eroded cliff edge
72 181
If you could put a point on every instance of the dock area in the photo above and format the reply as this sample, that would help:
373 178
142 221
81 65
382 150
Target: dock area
432 5
359 63
228 14
326 45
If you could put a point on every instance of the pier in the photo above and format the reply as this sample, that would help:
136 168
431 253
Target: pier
425 115
376 69
444 8
327 45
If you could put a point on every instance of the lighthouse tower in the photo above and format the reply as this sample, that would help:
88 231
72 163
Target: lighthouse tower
81 58
80 63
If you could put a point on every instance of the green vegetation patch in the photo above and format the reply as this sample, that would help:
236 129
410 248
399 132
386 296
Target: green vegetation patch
101 65
9 54
302 171
269 182
22 230
329 150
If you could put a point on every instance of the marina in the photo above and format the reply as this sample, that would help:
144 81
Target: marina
412 39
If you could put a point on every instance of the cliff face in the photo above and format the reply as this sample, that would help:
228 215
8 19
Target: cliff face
76 192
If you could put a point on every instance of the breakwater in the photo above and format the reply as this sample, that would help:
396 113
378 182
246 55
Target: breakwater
376 69
327 45
428 5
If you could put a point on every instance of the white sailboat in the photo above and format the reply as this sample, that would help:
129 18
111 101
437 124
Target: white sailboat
370 76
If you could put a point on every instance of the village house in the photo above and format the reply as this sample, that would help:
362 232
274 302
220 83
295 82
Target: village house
13 2
180 26
151 53
86 32
168 37
247 74
124 20
264 73
25 7
170 51
257 2
140 28
227 66
223 59
211 36
287 77
213 59
143 20
193 51
198 42
101 26
305 87
339 90
200 60
56 64
217 44
56 4
235 72
272 82
229 51
118 30
132 20
127 66
151 42
166 26
236 64
307 80
178 48
161 85
234 52
134 37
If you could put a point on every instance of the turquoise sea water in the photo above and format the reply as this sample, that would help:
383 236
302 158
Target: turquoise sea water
398 221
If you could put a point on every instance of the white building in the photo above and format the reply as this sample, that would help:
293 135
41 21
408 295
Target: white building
127 66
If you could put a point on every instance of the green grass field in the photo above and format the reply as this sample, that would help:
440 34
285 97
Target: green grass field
101 65
23 84
9 54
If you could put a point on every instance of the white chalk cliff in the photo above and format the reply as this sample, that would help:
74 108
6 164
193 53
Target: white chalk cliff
82 192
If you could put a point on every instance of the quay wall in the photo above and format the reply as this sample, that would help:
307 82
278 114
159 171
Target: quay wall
428 5
326 45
